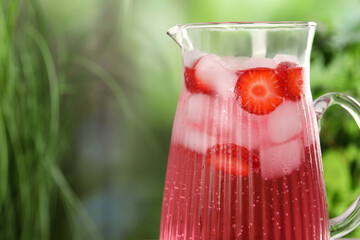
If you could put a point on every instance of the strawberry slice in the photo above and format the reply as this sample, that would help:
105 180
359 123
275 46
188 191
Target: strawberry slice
283 66
193 83
232 159
258 90
291 80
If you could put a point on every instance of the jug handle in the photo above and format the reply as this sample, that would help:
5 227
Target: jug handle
350 219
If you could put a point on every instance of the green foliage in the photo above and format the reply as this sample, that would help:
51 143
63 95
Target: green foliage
341 190
335 62
32 140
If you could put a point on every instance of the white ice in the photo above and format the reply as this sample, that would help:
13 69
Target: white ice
257 63
193 131
211 70
286 58
247 131
233 63
281 160
197 140
284 122
210 122
197 108
233 126
190 57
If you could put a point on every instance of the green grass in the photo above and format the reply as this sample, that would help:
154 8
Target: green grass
32 142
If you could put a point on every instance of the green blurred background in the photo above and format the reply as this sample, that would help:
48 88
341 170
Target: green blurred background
88 91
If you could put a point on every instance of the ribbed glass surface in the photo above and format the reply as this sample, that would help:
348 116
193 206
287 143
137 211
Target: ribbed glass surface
238 172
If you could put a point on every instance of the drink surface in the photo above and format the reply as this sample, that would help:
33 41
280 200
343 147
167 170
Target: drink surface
244 159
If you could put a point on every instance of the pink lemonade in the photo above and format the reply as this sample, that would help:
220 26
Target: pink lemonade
244 159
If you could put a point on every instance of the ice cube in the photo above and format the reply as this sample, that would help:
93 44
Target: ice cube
210 70
286 58
190 57
233 63
247 129
233 126
197 108
218 120
200 139
195 139
257 63
281 160
209 114
285 122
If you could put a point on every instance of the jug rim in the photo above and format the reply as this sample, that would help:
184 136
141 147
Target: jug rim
245 25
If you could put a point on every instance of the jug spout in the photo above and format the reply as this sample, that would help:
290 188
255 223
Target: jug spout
179 34
176 34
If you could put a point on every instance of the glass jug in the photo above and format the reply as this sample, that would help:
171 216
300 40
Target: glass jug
245 159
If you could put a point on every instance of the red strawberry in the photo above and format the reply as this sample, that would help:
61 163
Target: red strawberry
283 66
232 159
194 84
258 91
291 80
